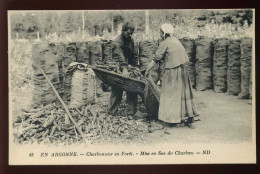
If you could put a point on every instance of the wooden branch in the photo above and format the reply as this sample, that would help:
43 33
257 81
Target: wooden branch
65 107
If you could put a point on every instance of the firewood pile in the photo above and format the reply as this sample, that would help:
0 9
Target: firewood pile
51 124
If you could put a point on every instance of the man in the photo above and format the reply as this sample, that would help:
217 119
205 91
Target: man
125 55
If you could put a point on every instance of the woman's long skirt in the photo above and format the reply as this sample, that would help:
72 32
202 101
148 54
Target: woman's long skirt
177 100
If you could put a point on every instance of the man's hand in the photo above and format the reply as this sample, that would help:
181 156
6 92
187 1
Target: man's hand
125 72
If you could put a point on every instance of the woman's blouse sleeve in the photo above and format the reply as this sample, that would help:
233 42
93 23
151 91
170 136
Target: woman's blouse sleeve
160 52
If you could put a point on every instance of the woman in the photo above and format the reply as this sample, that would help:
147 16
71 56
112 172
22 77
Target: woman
177 103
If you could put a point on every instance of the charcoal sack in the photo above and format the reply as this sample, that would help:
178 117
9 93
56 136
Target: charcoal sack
204 59
83 86
95 57
189 45
234 74
220 65
250 86
95 52
147 50
107 48
107 52
68 56
151 98
45 58
246 63
82 53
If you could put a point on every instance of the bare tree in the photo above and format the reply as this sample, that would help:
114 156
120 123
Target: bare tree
146 22
83 25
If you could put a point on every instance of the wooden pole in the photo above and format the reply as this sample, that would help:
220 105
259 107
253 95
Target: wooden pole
65 107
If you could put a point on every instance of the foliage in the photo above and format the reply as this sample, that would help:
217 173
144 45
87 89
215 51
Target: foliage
190 23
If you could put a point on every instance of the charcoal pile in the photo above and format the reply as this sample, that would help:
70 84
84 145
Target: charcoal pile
234 75
220 65
189 45
204 58
134 72
246 63
112 66
147 50
44 58
51 124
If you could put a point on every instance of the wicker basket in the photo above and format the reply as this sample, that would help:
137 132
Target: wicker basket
120 82
152 97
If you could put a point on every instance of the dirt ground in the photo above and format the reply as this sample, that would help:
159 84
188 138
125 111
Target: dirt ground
223 119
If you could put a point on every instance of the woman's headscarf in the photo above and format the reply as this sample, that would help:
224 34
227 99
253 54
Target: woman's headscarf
167 29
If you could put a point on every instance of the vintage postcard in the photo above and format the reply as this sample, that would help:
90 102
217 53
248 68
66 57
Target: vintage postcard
132 87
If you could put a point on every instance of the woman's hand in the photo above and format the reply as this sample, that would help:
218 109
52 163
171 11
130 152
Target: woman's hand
149 67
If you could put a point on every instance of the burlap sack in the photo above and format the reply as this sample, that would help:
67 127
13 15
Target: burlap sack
107 52
189 45
147 50
246 63
44 58
83 88
220 65
68 56
82 53
95 52
95 57
204 58
234 74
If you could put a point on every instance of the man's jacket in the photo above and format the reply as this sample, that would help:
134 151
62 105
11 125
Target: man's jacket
124 52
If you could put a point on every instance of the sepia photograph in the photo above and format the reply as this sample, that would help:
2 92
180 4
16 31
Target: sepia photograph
131 86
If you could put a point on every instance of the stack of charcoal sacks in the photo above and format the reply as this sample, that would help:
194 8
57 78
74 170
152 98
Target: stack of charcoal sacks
147 51
95 57
246 63
189 45
220 65
45 58
234 75
68 56
107 56
204 56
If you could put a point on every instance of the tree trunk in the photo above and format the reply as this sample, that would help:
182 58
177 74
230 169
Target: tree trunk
83 25
112 29
146 22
